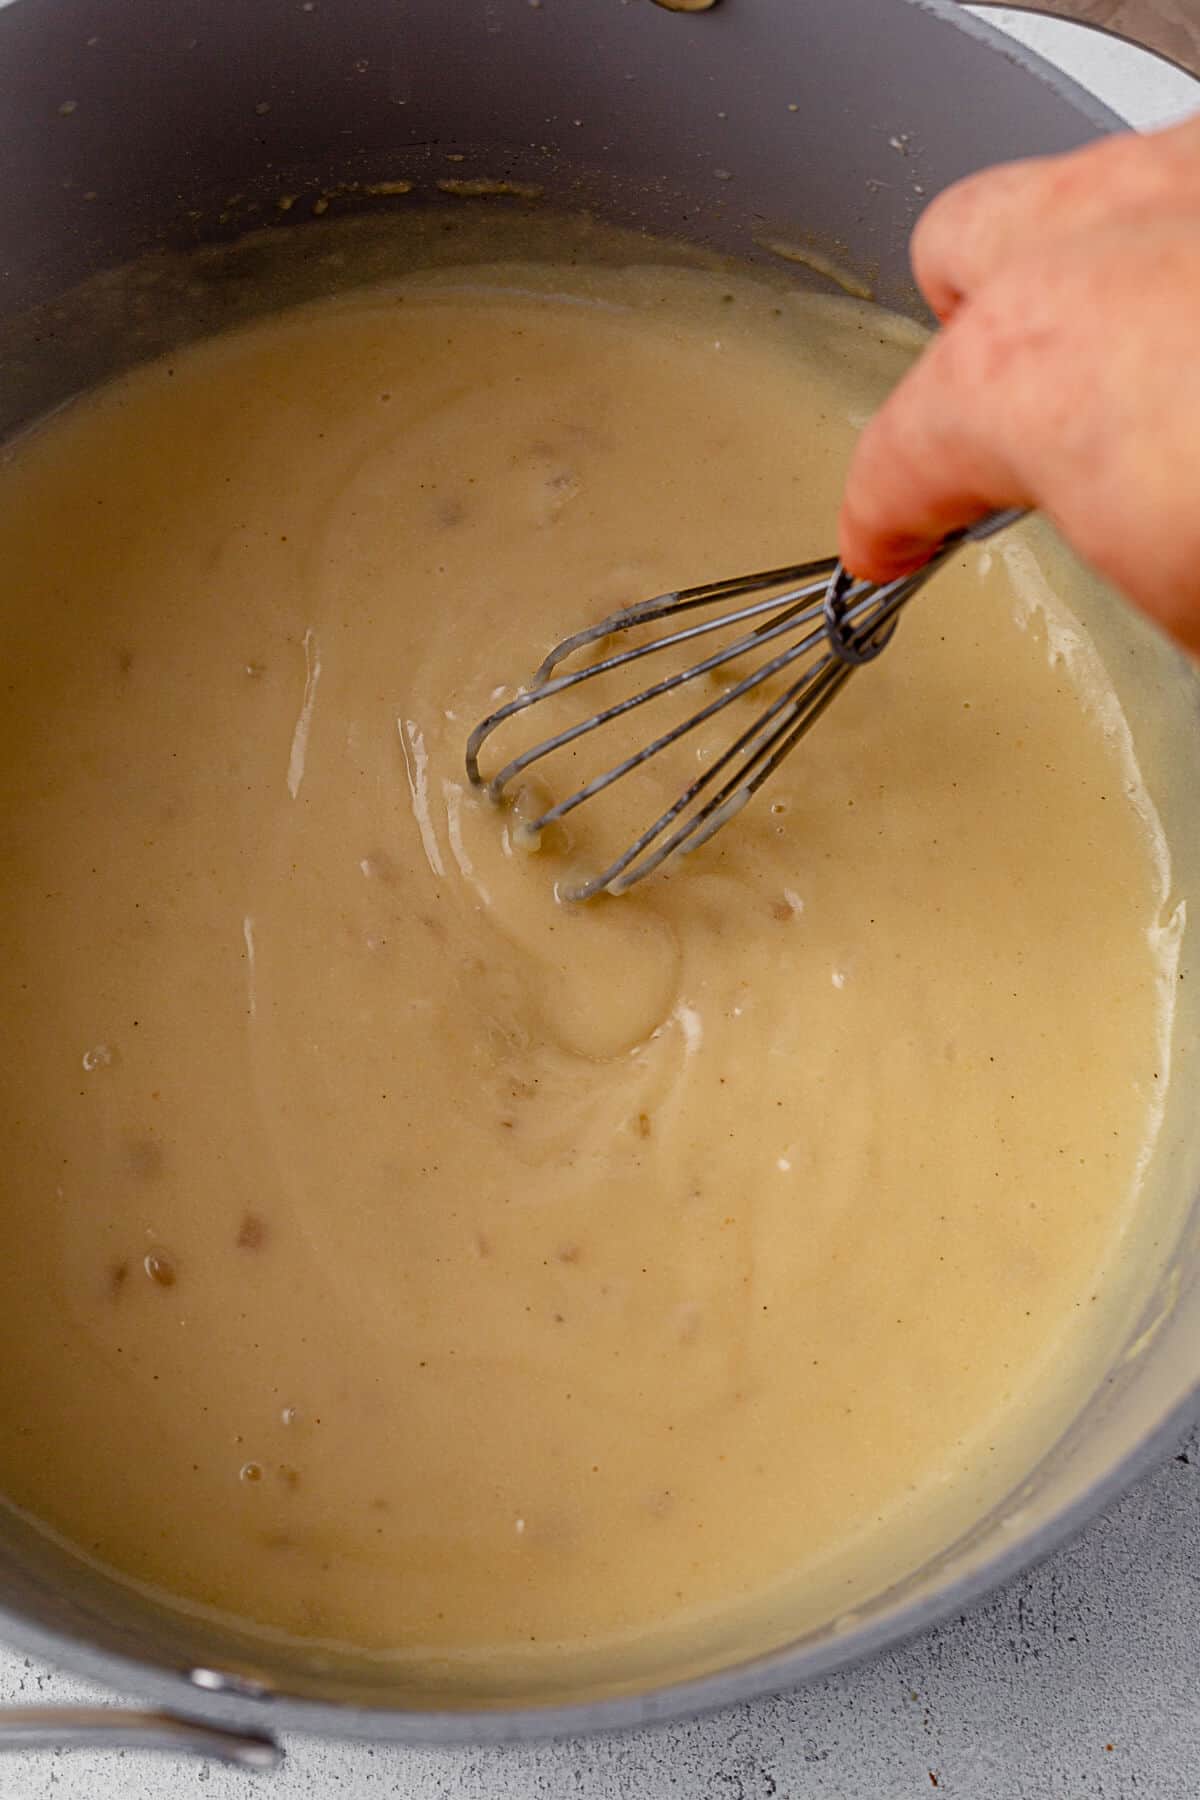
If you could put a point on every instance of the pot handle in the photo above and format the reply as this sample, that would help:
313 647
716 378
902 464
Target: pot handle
117 1728
1168 28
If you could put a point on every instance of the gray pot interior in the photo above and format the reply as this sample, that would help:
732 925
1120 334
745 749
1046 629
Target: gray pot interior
166 124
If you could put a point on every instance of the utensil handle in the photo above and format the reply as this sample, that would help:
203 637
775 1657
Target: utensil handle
1168 28
117 1728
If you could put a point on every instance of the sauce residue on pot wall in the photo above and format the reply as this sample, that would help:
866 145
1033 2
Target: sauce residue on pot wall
409 1262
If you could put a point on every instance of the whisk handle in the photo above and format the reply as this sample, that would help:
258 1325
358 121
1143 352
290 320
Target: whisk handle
870 635
986 528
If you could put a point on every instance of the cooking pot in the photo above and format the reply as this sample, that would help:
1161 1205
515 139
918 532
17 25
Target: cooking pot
132 133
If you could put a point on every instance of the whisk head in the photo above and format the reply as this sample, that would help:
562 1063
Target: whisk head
803 630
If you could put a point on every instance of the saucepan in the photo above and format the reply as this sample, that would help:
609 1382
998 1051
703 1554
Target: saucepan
133 136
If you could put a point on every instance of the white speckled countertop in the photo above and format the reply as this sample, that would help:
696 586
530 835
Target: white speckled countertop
1078 1679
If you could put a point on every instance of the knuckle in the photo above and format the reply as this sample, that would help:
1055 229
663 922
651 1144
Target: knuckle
1011 372
1022 320
1129 172
961 234
946 215
987 345
942 224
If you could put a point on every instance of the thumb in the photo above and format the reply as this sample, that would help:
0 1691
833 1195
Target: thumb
929 462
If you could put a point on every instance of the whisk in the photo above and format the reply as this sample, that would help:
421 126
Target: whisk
811 614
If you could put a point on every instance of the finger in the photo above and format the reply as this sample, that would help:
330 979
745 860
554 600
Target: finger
965 231
932 460
969 232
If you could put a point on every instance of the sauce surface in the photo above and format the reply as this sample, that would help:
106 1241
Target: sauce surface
408 1261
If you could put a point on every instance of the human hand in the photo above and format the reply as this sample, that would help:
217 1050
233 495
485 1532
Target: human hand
1066 375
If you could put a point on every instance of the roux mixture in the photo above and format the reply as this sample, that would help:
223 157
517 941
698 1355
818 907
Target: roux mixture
401 1259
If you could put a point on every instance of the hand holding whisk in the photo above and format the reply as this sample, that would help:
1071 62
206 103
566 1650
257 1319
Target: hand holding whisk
807 627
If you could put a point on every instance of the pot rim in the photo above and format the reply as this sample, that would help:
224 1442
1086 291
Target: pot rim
275 1712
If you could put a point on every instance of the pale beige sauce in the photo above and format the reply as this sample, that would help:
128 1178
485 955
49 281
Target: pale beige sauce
400 1259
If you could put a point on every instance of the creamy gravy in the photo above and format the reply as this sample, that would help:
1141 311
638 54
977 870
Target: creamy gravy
400 1259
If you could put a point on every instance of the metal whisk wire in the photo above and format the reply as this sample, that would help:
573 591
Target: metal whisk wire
851 621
